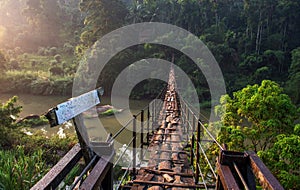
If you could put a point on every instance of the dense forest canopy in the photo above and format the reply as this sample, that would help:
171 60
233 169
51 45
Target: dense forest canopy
251 40
255 42
30 24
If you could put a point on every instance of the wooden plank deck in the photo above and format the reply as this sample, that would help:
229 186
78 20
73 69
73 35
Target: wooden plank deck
168 164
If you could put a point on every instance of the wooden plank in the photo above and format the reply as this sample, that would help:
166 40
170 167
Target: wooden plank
168 141
98 173
168 178
165 165
144 176
178 168
176 138
168 172
57 173
165 156
226 177
148 177
174 184
178 179
175 156
155 188
170 160
165 147
170 134
175 151
265 177
137 187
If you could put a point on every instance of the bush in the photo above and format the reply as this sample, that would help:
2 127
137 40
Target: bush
25 158
18 50
283 158
62 86
53 63
33 121
57 57
8 114
53 51
41 51
47 52
18 81
14 64
68 48
33 63
39 87
56 71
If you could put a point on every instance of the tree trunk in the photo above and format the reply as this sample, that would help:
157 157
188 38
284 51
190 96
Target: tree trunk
258 34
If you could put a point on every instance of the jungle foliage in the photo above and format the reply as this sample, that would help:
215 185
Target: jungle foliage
25 159
264 119
255 42
251 40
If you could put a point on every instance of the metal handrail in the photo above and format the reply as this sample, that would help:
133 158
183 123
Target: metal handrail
190 108
130 120
85 170
120 130
211 136
188 114
116 163
124 175
207 131
202 176
207 160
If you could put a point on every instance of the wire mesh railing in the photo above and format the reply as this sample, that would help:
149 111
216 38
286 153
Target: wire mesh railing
142 124
200 140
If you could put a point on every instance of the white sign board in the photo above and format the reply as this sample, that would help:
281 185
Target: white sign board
73 107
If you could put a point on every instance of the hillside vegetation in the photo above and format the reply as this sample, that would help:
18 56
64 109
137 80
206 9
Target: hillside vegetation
255 42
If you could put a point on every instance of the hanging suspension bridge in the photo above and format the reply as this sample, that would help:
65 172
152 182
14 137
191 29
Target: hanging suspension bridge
168 147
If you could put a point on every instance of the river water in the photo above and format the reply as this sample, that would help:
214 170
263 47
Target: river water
98 128
34 104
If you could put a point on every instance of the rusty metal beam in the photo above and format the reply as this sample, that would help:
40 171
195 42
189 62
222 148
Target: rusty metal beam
82 137
54 177
265 177
98 173
227 179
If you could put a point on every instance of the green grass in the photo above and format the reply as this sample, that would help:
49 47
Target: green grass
21 171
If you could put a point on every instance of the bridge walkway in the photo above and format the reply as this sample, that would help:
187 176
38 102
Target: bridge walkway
169 163
172 157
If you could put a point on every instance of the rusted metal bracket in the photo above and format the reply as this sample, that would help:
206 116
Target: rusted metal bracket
72 110
262 173
54 177
100 171
101 175
237 170
99 165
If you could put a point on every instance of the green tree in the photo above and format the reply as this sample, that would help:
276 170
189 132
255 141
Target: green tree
3 61
102 16
293 83
260 112
45 24
9 112
289 20
283 158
